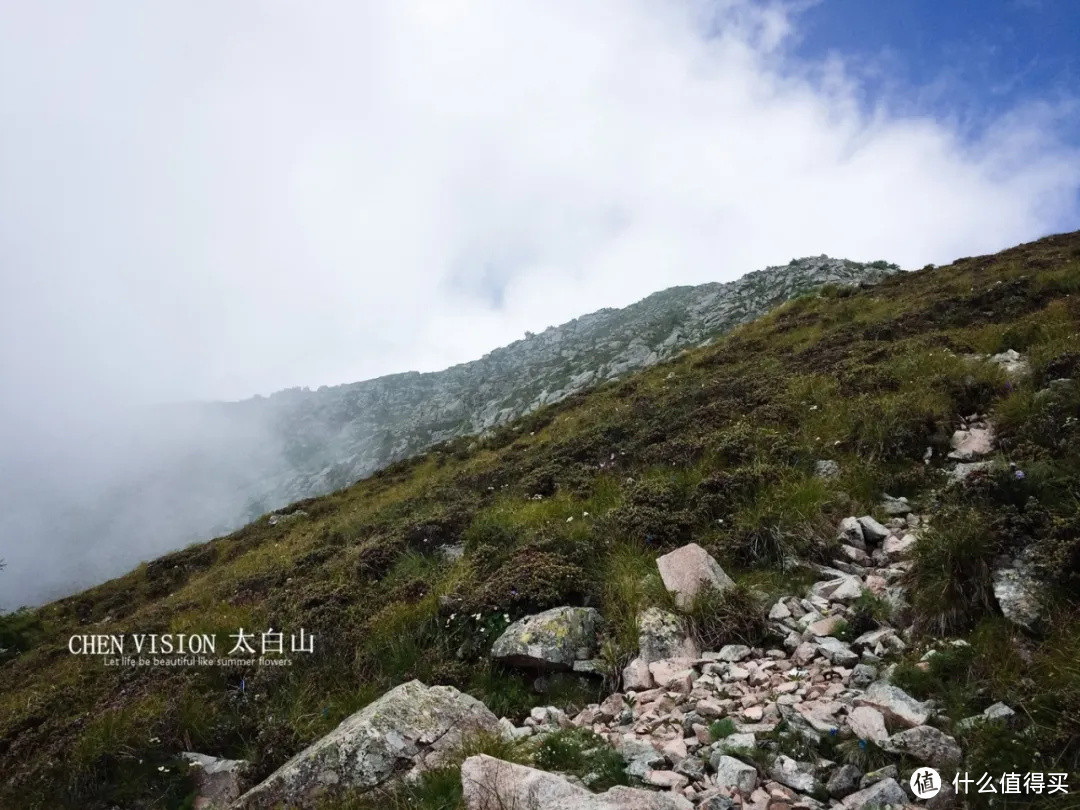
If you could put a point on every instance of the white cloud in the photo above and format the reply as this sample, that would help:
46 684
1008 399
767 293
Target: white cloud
208 200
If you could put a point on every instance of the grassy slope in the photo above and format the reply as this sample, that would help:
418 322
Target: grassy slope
717 446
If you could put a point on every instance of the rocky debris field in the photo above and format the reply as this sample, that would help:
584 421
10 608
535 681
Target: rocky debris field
696 728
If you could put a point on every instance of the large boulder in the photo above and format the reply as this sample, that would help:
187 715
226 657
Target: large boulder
217 781
412 725
493 784
661 635
686 570
552 640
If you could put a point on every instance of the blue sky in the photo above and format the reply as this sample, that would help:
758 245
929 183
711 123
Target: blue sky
970 60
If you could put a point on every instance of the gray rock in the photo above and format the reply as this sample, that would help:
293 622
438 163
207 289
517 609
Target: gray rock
873 531
733 652
686 570
837 651
716 802
895 704
998 711
843 781
636 676
851 533
873 777
217 781
1012 363
926 744
734 773
798 776
962 472
863 675
493 784
826 468
739 741
972 444
880 794
411 725
552 640
661 635
896 507
640 756
1019 592
692 767
868 724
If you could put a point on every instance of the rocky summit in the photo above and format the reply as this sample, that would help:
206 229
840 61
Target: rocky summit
792 569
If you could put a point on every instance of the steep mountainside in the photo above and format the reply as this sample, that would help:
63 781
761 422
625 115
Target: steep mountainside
336 435
193 471
756 448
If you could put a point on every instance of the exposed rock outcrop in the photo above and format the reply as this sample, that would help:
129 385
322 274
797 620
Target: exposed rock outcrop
411 726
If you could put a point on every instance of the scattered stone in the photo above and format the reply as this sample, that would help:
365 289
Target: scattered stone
868 724
863 675
217 781
962 472
826 468
666 779
661 635
873 777
880 794
897 547
895 704
739 741
837 651
826 626
731 772
733 652
873 531
972 444
493 784
550 641
845 780
1012 363
851 533
779 611
895 507
998 711
676 675
1017 590
689 568
926 744
636 676
796 775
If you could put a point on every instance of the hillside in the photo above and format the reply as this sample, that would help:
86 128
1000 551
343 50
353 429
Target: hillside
192 471
412 572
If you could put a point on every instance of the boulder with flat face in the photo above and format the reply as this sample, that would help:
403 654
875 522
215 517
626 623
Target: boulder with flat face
411 726
686 570
550 641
